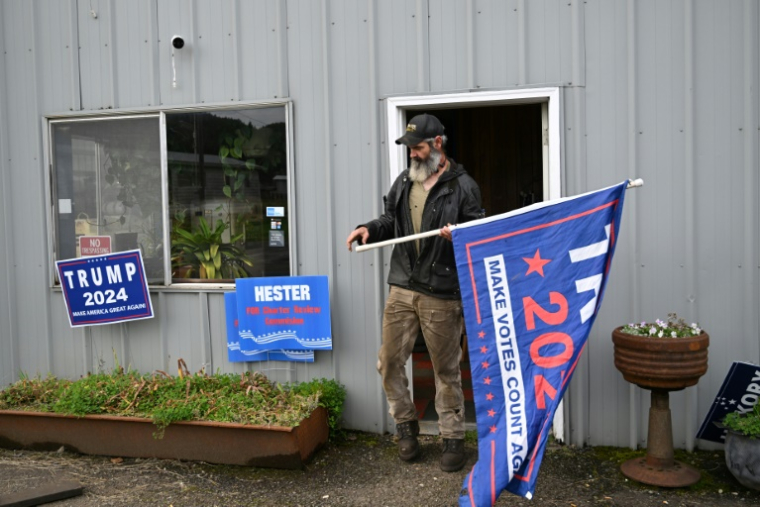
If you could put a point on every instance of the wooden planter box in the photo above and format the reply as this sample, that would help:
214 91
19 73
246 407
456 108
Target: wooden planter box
224 443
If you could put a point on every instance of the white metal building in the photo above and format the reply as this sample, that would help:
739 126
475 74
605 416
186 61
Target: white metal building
541 98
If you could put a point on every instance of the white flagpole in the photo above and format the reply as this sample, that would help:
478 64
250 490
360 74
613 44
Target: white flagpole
632 183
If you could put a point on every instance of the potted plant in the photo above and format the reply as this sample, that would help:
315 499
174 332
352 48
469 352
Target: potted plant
203 254
662 356
743 446
223 418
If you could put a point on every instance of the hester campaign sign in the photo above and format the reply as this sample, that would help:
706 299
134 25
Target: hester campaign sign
105 289
283 313
236 351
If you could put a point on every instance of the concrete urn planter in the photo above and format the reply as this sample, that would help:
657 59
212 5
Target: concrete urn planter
743 459
660 365
670 364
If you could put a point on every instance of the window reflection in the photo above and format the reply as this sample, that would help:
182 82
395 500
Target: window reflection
226 170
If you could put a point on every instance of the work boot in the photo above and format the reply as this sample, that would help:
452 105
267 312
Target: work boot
408 446
453 457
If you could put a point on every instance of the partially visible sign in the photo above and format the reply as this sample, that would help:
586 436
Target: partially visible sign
105 289
94 245
275 211
739 393
236 355
276 238
291 313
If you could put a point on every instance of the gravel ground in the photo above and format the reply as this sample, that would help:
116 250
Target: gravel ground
361 470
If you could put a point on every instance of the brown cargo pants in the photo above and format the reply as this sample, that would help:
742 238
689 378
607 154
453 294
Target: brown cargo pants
441 322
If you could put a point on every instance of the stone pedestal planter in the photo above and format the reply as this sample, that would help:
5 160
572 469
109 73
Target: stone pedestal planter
743 459
224 443
660 365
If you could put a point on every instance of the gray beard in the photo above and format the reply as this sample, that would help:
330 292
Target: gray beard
421 170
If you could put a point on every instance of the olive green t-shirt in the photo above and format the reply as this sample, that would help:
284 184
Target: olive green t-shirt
417 197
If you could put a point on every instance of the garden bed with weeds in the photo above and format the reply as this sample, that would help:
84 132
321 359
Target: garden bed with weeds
238 419
249 398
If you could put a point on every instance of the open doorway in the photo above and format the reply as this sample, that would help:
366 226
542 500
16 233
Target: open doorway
501 147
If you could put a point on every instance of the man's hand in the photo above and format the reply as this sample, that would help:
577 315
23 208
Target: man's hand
446 232
361 235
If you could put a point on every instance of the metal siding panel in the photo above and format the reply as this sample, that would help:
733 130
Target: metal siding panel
25 172
354 348
218 336
548 34
8 338
142 341
184 331
133 43
712 136
55 45
751 329
94 34
307 89
107 346
662 272
176 17
606 164
450 44
212 55
255 52
398 59
66 342
496 43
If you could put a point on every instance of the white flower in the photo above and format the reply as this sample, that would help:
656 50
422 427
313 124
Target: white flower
652 331
673 334
659 335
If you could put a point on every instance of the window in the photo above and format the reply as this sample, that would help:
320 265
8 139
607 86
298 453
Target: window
223 199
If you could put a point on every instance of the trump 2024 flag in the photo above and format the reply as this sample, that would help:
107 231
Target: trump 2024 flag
532 281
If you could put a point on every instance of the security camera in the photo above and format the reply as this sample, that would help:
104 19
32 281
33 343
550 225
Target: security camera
178 42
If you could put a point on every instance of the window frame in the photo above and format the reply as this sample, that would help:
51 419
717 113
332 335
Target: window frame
549 97
48 121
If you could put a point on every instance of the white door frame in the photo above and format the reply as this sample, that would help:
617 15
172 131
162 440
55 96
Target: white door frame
395 107
551 122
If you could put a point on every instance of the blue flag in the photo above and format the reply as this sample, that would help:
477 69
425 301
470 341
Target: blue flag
532 281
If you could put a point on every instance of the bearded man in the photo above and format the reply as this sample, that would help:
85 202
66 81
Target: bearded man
433 193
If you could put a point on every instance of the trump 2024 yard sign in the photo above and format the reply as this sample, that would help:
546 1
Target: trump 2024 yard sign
105 289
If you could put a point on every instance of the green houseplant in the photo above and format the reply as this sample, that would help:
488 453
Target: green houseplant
742 448
204 254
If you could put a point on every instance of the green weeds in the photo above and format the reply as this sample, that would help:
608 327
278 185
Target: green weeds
249 398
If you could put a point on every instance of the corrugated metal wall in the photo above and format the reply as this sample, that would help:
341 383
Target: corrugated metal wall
664 90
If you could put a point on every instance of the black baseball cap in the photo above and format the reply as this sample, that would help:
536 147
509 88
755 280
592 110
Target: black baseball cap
419 128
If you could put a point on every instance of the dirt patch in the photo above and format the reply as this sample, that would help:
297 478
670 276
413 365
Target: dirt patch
362 470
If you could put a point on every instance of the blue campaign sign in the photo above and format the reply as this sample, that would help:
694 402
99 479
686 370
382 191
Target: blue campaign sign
739 393
291 313
236 355
105 289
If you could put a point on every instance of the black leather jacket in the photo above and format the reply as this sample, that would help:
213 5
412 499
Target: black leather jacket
454 199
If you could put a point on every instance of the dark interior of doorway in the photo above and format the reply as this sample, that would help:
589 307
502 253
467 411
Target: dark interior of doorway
501 148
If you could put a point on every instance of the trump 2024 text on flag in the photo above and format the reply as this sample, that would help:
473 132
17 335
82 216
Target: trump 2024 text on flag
532 282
